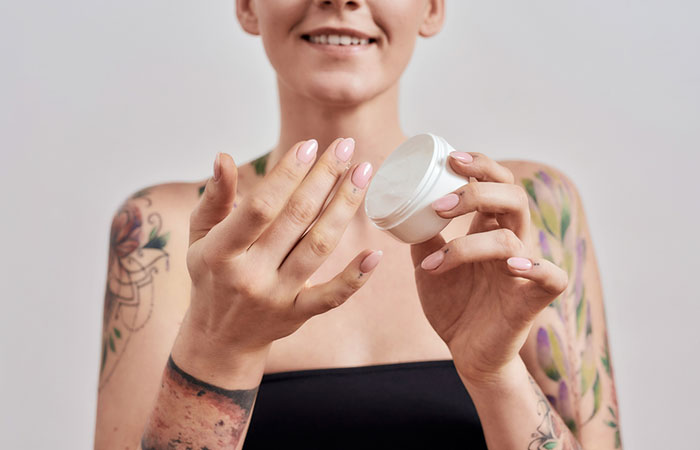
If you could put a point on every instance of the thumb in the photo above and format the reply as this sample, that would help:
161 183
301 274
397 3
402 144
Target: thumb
421 250
218 198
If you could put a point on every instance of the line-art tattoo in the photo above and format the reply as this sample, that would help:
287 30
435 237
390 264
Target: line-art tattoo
550 433
194 414
129 294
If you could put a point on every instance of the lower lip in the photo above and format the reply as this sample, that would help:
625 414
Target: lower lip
340 49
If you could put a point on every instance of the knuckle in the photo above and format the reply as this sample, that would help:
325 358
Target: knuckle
522 195
261 210
348 200
509 241
287 172
194 217
320 243
301 210
333 300
473 192
330 170
354 282
510 178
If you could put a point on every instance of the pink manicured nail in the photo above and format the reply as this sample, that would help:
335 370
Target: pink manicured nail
519 263
361 174
371 261
307 151
446 203
344 149
462 156
433 260
217 167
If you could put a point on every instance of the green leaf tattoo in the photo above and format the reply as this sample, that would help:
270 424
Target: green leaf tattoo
260 164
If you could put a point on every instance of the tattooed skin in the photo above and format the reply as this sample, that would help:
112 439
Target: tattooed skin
260 164
550 433
612 409
133 262
192 414
569 357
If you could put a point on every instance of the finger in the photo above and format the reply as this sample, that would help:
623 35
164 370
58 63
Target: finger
324 235
548 280
508 201
237 231
314 300
480 166
306 202
489 245
421 250
218 197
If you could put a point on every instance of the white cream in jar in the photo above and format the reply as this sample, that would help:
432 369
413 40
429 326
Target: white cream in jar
408 181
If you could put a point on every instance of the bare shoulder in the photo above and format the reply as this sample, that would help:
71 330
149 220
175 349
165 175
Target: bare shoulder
146 297
567 350
527 173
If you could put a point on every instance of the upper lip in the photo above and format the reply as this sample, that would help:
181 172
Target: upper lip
338 31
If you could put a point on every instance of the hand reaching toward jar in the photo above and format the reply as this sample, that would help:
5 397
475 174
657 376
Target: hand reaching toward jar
481 292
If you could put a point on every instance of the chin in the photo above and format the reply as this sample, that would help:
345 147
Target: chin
345 90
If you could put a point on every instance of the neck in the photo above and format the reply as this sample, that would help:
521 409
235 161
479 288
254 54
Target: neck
374 124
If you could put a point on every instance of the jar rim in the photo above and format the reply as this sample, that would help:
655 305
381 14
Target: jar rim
409 205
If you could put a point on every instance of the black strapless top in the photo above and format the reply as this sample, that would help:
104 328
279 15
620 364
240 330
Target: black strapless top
418 405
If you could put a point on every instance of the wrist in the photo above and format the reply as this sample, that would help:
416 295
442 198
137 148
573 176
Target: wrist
220 364
509 378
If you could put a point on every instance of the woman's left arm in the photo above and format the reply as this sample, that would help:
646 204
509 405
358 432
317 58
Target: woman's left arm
567 349
529 343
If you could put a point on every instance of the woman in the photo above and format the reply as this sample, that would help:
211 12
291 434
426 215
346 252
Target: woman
213 283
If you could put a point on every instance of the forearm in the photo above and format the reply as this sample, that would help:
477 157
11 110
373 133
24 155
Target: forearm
515 414
205 399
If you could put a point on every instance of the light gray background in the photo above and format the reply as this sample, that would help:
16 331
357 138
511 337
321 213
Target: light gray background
100 98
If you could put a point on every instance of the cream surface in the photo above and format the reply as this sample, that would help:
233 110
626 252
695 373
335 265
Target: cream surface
399 176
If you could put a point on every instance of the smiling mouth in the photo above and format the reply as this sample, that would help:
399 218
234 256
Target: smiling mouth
337 39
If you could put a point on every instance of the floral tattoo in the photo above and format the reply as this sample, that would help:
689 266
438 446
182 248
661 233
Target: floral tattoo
550 433
133 262
569 360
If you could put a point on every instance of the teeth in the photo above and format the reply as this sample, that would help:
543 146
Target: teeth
334 39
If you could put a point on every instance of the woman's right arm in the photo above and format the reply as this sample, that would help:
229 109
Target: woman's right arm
249 266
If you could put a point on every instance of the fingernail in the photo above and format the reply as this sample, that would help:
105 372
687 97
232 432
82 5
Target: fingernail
344 149
433 260
307 151
462 156
371 261
519 263
361 174
446 203
217 167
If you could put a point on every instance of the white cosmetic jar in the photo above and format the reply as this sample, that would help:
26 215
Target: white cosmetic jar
408 181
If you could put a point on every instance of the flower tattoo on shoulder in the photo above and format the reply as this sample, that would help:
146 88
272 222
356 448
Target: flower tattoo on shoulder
136 254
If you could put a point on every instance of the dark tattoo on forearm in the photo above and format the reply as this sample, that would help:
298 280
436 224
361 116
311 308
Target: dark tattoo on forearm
191 413
133 262
551 433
